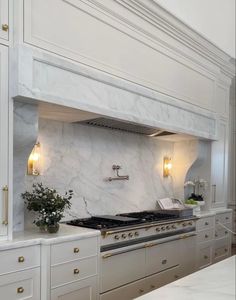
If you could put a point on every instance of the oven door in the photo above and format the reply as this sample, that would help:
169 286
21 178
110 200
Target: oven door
121 266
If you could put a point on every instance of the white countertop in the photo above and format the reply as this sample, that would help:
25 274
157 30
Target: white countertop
35 237
216 282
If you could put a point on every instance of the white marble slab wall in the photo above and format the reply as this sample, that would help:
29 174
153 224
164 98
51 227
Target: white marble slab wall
80 158
25 136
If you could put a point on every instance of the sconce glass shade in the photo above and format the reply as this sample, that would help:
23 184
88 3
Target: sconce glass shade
33 161
167 166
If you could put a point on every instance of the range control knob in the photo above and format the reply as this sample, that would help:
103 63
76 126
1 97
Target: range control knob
184 224
158 229
190 223
130 235
136 233
173 227
116 237
167 227
163 228
124 236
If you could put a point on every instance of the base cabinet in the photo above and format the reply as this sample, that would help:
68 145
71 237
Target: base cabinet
84 290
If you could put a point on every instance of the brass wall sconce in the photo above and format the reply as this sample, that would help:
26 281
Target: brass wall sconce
33 161
167 166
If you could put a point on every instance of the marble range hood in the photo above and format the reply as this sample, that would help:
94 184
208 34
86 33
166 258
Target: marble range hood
70 92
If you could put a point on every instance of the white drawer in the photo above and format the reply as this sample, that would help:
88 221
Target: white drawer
205 223
224 218
74 250
83 290
20 285
222 232
222 249
19 259
73 271
204 255
205 235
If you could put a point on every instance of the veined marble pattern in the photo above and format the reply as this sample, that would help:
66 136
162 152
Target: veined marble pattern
25 136
80 158
74 85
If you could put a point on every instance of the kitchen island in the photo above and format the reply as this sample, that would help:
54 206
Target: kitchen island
215 282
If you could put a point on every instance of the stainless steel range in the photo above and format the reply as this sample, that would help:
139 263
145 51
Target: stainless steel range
136 247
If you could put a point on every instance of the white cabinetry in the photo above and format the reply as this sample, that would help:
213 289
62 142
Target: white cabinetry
70 270
205 241
219 169
222 246
3 142
20 273
4 19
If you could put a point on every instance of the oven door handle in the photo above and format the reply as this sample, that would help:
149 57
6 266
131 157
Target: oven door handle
107 255
148 245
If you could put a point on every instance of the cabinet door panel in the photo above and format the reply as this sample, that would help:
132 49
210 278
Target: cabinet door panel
83 290
21 285
219 160
4 19
3 138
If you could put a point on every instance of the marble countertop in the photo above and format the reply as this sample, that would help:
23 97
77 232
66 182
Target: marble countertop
216 282
34 237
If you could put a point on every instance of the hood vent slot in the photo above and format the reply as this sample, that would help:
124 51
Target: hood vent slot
125 126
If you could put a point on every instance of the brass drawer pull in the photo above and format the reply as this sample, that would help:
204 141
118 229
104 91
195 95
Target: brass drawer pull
5 27
76 271
20 290
5 209
164 261
21 259
76 250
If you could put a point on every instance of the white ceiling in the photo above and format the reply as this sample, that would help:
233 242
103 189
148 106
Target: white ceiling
214 19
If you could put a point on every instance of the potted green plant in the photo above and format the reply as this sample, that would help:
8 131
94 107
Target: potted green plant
48 204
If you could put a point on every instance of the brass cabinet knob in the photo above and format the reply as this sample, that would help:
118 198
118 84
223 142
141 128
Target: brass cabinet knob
176 276
206 223
21 259
76 250
205 257
226 232
20 290
227 218
141 291
226 249
206 236
5 27
76 271
152 286
164 261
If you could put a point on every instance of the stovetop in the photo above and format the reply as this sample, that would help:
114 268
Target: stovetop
105 222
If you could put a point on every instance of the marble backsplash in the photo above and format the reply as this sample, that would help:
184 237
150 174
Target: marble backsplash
80 158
